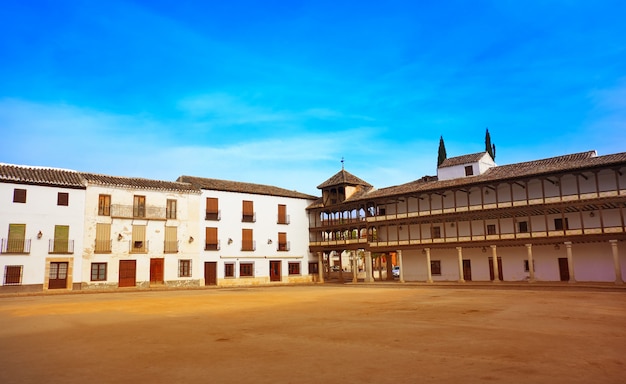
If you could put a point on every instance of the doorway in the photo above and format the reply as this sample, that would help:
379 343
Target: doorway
210 273
58 275
491 274
563 268
156 271
467 270
128 269
274 270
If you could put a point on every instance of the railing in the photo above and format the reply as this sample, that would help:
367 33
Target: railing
15 246
103 246
330 222
248 217
285 219
134 212
212 246
283 246
138 246
215 216
170 246
61 246
248 246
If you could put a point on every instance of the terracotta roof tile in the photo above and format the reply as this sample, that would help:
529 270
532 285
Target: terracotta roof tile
343 177
139 183
21 174
472 158
242 187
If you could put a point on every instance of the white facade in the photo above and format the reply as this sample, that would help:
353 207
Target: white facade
53 233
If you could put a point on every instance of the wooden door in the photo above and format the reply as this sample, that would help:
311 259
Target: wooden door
491 274
563 269
156 271
275 270
128 269
58 275
210 273
467 270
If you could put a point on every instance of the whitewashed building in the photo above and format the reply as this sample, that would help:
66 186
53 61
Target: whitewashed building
253 234
41 228
140 233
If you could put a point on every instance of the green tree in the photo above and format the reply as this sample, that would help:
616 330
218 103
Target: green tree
442 152
490 148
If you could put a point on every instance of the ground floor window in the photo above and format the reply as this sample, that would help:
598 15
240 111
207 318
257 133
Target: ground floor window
313 269
246 269
294 268
184 268
229 270
98 271
435 267
13 275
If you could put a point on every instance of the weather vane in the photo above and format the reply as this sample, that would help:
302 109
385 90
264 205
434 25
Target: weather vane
342 162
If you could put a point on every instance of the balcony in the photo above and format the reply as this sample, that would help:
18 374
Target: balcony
62 247
213 215
248 217
248 246
212 246
283 219
283 247
138 246
138 212
15 246
103 246
170 246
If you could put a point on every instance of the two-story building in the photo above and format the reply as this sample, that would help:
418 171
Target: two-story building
41 217
556 219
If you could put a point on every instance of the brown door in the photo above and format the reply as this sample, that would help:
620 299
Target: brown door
210 273
128 269
156 271
563 268
274 270
491 276
58 276
467 270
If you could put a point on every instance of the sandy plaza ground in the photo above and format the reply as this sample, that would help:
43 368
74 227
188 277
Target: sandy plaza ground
329 333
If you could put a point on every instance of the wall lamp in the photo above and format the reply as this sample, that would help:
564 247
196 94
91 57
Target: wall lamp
230 241
557 247
269 241
119 237
591 214
39 235
190 239
484 250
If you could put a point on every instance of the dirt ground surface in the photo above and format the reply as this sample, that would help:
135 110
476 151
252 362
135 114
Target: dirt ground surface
317 334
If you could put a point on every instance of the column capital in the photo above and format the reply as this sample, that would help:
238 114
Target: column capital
493 246
613 241
528 245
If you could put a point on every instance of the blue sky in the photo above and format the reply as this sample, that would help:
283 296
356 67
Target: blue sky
277 92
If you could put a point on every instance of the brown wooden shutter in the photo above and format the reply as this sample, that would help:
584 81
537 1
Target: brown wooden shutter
211 205
211 236
248 208
247 243
282 214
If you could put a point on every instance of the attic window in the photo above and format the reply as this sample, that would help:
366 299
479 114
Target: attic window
469 170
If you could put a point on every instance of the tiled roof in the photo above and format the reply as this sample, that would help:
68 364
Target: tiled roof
343 177
238 186
518 171
139 183
474 157
40 176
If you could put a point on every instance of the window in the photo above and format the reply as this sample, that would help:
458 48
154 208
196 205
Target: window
139 206
184 268
283 245
19 195
313 268
171 240
170 210
103 238
435 267
98 271
491 229
522 226
104 205
63 198
248 212
17 243
282 214
12 275
229 270
526 269
294 268
469 170
246 269
139 239
61 242
560 225
211 243
212 211
247 243
436 232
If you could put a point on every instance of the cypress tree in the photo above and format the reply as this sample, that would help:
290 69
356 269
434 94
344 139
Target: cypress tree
442 152
490 148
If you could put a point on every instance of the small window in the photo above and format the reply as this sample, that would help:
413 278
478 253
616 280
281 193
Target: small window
436 232
19 195
98 271
248 212
63 198
313 268
491 229
294 268
435 267
104 205
184 268
13 275
522 226
560 225
246 270
469 170
229 270
139 206
170 210
212 212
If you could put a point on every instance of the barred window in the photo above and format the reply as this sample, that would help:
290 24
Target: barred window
184 268
13 275
229 270
294 268
246 269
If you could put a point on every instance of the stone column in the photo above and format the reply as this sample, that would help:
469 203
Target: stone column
355 267
368 267
531 264
616 263
340 266
401 277
460 253
430 273
320 266
494 259
570 261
